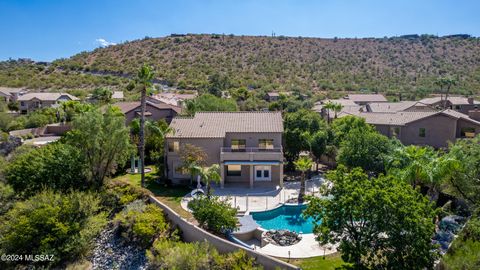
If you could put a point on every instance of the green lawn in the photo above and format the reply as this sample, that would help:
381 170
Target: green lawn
328 262
171 196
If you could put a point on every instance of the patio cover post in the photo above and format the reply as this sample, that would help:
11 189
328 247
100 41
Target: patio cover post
251 175
281 174
222 174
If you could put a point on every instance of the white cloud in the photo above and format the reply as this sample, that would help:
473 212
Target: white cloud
103 43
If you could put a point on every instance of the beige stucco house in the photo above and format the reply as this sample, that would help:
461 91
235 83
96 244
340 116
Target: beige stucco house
33 101
246 145
153 111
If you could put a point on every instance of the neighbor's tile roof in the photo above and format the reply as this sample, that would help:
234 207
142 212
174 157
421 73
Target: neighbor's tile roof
9 90
455 100
366 97
126 107
396 106
45 96
273 94
217 124
117 95
403 118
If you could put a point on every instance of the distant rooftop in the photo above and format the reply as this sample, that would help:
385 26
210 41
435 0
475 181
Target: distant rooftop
455 100
397 106
126 107
217 124
366 97
45 96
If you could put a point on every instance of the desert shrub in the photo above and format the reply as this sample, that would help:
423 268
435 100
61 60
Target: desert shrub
198 255
49 223
214 214
7 197
56 166
118 193
141 223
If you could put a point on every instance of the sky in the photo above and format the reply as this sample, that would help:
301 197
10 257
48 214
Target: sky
45 30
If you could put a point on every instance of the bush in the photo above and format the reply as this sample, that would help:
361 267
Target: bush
178 255
56 166
119 193
142 223
214 214
7 198
51 223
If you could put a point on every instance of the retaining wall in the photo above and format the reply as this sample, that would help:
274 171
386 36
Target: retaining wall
192 233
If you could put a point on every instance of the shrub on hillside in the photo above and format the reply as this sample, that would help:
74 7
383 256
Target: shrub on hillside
56 166
179 255
141 223
119 193
214 214
49 223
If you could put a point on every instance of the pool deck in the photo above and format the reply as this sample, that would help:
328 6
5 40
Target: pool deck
261 199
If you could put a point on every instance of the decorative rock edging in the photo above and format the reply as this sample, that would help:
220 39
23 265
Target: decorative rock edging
281 237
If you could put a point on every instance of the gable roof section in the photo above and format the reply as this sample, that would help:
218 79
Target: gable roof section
406 117
367 97
217 124
45 96
397 106
127 107
455 100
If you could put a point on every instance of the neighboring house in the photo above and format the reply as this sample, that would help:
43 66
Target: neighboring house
246 145
364 99
401 106
33 101
348 107
118 96
175 99
434 128
8 94
460 104
153 111
272 96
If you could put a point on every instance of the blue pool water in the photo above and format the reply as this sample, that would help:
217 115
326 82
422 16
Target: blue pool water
286 217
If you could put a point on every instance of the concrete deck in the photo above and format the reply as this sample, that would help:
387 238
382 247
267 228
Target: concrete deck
306 248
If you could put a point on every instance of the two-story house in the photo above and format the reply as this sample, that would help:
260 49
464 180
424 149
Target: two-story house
246 145
33 101
153 111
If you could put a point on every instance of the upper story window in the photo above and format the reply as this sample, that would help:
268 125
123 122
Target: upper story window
422 132
238 144
265 143
22 103
173 146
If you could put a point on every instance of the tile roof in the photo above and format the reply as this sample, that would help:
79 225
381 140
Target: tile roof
455 100
397 106
217 124
117 95
126 107
405 117
273 94
366 97
9 90
45 96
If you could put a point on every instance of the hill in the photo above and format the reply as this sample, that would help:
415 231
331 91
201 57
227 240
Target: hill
408 64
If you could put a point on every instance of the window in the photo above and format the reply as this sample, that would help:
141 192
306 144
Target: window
234 170
265 143
22 103
173 146
467 132
395 131
457 107
422 132
238 145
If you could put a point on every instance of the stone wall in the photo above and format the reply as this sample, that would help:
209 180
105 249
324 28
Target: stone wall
192 233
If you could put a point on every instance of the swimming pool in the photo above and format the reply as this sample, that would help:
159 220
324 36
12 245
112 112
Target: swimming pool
285 217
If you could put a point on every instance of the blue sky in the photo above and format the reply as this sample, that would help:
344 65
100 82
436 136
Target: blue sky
48 29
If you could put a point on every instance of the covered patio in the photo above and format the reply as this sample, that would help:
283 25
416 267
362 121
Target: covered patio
263 173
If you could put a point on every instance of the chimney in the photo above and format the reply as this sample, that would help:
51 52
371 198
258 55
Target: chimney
470 100
474 114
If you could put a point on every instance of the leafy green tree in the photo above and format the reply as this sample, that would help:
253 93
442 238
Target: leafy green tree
102 94
56 166
214 214
342 126
303 164
62 225
193 158
464 180
103 141
144 78
208 102
217 83
299 127
379 223
368 150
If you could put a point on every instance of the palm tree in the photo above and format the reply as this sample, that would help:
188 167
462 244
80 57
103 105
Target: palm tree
303 164
207 174
445 83
412 164
144 79
337 107
328 106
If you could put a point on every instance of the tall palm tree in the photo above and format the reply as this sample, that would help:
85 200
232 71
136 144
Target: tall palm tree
412 164
303 164
445 84
329 107
144 79
337 107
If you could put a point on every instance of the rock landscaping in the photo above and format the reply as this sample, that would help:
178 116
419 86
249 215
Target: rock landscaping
281 237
